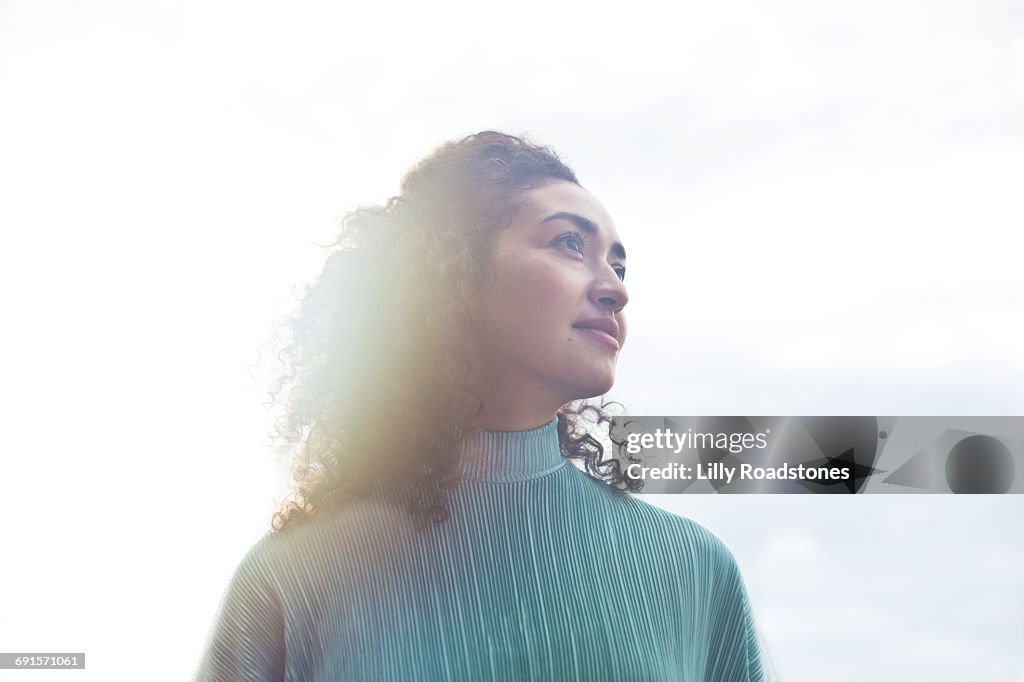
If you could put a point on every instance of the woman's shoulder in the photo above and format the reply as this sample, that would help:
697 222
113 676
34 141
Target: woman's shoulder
659 526
672 540
348 534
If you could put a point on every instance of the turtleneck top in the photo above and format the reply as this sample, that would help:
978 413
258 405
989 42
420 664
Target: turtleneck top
539 573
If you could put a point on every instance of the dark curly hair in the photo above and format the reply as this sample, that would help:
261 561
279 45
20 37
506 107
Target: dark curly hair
375 358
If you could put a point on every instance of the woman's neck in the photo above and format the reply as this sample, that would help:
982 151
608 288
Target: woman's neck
517 405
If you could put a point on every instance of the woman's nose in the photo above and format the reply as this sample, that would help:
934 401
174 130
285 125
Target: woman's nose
608 290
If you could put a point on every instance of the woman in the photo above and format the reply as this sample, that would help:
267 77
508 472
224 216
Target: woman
436 377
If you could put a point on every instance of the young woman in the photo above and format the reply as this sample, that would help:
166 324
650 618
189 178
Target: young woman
436 379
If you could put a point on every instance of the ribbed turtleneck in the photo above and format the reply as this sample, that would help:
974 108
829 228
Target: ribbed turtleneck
509 456
538 573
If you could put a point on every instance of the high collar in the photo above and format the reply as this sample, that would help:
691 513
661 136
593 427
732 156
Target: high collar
508 456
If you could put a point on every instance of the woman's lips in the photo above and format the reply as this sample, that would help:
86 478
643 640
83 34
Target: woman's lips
599 336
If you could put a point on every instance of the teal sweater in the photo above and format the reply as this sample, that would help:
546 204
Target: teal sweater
540 573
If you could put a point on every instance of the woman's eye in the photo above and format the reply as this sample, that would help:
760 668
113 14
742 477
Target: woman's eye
621 272
573 241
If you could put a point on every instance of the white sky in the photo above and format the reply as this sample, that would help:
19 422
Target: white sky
821 203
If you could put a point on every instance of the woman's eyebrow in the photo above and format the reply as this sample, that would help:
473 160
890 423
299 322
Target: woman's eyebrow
587 226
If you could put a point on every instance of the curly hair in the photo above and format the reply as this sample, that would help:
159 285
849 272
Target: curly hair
375 358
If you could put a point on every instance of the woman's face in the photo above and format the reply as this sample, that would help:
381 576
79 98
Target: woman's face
549 319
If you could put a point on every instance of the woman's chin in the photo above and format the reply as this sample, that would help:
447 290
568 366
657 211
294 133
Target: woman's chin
593 387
